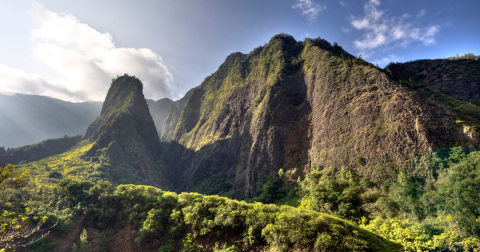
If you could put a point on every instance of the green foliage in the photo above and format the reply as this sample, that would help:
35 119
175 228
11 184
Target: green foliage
166 248
216 184
270 191
163 219
338 194
435 210
14 227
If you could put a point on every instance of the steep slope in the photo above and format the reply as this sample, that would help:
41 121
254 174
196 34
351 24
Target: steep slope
459 78
171 121
159 109
300 104
29 119
125 133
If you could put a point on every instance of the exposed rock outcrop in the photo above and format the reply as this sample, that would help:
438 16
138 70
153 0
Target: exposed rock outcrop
297 104
126 135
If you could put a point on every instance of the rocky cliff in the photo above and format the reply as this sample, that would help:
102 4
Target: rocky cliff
125 134
298 104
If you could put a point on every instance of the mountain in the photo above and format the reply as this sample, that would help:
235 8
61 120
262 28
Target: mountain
458 78
354 158
28 119
171 121
34 152
159 109
295 105
125 134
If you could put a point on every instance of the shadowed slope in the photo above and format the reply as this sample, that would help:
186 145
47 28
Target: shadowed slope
296 104
125 132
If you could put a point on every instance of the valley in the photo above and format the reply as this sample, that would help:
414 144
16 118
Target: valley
295 146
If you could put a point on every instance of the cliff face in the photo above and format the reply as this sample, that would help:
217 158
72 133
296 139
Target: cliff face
297 104
160 109
125 133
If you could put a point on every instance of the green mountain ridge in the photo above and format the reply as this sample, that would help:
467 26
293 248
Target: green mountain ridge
292 105
300 123
125 133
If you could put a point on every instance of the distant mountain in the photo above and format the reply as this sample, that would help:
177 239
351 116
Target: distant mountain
34 152
159 109
28 119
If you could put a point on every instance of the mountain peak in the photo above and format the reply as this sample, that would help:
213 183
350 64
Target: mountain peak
125 133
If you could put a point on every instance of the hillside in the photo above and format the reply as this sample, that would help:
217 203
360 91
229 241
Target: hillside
296 105
29 119
125 135
356 158
38 151
144 218
458 78
159 109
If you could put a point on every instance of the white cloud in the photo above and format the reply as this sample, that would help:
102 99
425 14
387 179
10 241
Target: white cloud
342 3
18 81
381 30
85 60
309 8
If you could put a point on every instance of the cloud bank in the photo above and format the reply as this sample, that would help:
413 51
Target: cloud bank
309 8
381 30
85 61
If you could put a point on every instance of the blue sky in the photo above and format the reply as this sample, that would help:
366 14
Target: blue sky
72 49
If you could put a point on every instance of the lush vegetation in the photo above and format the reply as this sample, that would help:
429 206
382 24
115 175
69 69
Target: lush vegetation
13 226
194 222
433 204
75 164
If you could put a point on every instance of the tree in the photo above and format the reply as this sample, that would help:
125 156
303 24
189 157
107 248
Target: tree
12 226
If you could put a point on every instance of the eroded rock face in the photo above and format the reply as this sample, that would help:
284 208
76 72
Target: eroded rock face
296 104
125 133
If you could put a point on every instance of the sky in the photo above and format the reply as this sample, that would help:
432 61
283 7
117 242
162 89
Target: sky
72 50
